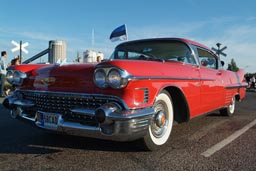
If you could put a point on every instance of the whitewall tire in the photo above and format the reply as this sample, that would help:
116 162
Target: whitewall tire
160 127
230 110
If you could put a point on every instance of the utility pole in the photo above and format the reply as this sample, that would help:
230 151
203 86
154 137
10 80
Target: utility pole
20 52
219 51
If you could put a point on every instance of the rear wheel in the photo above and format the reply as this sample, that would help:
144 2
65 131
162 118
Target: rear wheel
230 110
160 127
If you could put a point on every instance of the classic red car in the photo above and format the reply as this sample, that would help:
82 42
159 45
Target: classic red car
138 93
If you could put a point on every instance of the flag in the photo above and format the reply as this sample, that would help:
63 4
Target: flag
119 34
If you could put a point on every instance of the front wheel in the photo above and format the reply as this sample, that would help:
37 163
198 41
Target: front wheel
160 127
230 110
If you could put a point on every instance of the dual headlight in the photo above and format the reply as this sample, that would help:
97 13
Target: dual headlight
110 77
15 77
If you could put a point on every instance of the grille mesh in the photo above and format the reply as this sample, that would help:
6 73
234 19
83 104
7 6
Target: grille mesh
61 103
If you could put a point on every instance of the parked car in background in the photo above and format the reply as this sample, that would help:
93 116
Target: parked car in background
138 93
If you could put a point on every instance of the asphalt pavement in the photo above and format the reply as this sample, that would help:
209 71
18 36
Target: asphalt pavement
25 147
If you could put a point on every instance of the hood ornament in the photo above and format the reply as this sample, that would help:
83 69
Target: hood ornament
61 62
48 81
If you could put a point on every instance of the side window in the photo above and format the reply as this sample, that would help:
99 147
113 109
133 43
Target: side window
190 58
206 59
120 55
180 52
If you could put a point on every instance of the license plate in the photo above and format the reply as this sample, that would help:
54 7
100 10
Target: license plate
48 119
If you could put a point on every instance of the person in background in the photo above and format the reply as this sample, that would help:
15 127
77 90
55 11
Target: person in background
247 78
3 67
79 60
15 61
98 58
204 62
253 82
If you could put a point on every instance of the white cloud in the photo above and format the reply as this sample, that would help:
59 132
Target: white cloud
177 30
252 18
241 44
36 36
241 32
239 38
25 34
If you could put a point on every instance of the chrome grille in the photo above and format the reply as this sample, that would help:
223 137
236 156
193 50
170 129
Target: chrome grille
61 103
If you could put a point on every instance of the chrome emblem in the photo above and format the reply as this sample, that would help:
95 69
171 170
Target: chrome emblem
48 80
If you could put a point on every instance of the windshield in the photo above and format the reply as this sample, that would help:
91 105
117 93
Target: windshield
154 50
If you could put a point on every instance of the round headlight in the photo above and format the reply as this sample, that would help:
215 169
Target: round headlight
17 80
9 77
114 78
117 78
100 78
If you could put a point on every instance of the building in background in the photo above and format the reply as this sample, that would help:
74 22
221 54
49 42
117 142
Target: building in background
91 56
57 50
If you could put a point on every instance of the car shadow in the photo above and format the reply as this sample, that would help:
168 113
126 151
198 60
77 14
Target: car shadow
215 114
23 138
46 143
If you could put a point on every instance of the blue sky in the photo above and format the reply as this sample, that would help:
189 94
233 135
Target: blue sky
230 22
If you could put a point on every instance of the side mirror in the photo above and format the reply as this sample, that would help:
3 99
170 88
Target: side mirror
222 63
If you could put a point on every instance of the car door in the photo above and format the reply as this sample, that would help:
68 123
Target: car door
212 92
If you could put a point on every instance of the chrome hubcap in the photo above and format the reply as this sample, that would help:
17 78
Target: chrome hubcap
160 121
232 106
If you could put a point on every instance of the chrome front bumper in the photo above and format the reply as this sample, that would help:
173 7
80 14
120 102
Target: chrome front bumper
118 125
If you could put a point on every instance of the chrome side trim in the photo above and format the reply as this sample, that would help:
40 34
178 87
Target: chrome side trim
168 78
236 86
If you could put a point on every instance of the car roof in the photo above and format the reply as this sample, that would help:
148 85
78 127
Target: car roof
194 43
187 41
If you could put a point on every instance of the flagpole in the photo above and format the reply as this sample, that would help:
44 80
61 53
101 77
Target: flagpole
92 39
126 31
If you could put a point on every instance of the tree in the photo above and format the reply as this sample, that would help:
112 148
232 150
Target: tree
232 66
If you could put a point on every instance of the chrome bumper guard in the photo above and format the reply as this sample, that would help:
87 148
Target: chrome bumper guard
120 125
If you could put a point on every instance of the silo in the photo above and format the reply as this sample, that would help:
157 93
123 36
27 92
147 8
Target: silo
57 50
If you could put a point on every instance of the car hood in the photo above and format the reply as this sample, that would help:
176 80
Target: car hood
142 68
65 78
79 77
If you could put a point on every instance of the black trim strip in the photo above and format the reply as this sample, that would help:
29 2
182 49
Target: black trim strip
235 86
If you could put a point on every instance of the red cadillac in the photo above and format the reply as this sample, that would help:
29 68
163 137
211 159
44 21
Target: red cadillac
138 93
